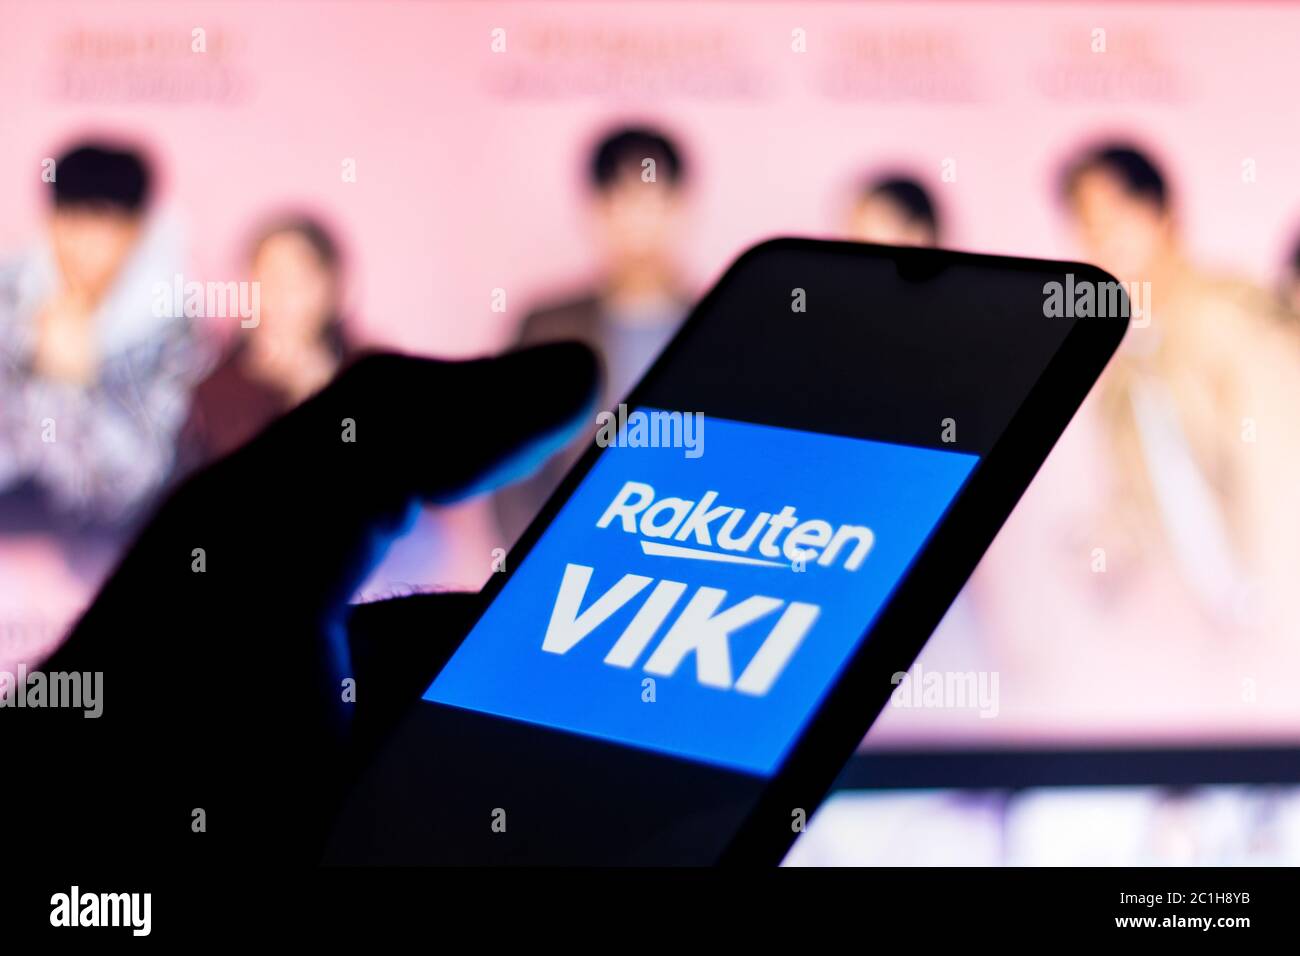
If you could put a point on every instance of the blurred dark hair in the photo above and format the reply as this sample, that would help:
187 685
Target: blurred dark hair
97 175
627 147
326 249
1133 168
910 196
312 230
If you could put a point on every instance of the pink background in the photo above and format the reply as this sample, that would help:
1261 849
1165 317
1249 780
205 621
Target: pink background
469 163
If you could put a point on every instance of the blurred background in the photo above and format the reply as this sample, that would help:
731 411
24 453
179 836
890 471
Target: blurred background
1120 681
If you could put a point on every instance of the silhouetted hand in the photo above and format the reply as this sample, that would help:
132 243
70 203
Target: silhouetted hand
225 638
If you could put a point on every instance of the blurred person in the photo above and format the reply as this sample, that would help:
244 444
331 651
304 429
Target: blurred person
1174 400
1291 282
637 303
296 348
1144 580
895 210
94 385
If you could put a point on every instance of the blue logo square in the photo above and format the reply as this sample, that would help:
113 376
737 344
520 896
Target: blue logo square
702 607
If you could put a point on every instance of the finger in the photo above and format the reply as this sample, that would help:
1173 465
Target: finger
324 489
394 427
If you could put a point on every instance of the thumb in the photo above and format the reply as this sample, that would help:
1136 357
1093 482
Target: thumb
328 484
395 427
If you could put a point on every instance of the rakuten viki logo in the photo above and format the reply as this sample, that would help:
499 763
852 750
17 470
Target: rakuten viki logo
705 531
664 607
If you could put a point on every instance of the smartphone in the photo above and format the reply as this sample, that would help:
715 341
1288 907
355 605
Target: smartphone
695 633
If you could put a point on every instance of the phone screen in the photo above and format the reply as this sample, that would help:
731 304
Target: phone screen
698 600
690 639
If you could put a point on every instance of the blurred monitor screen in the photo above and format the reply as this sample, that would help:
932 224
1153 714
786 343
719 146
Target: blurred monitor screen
1143 593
